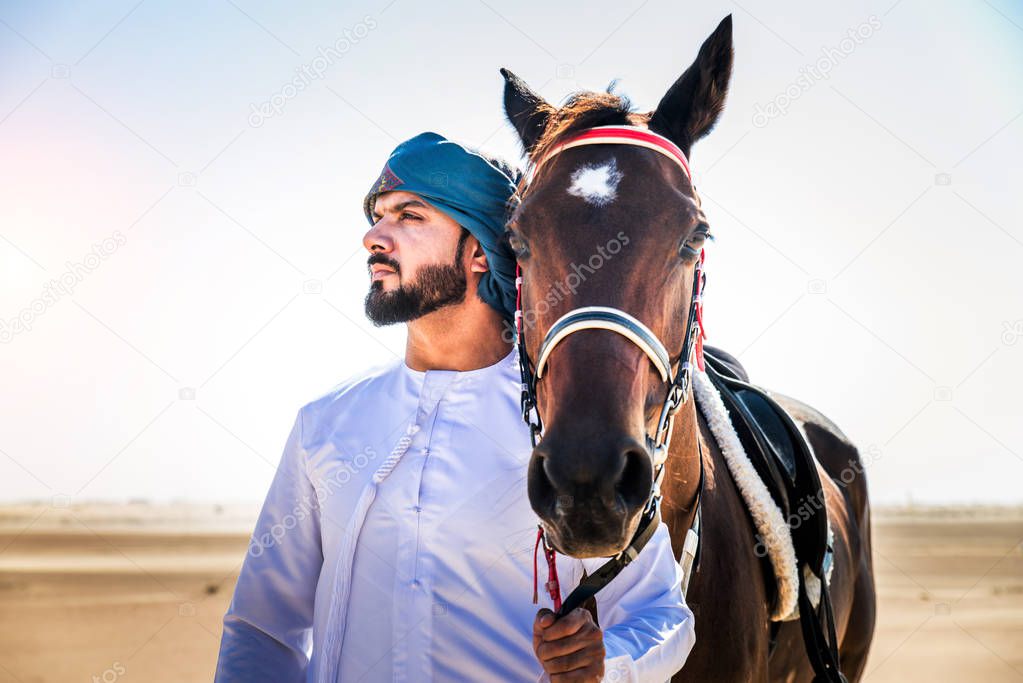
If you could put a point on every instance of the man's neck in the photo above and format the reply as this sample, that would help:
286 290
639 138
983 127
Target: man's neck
456 338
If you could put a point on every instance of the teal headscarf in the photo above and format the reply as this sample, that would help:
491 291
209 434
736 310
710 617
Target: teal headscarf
473 190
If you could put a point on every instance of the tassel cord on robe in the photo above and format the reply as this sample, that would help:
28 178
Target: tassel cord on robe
346 556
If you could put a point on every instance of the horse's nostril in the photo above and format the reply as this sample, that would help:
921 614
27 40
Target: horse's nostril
563 501
541 489
637 477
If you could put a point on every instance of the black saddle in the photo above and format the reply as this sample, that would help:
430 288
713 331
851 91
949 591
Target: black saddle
785 462
779 453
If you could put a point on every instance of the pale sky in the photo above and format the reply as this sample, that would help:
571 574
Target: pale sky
867 260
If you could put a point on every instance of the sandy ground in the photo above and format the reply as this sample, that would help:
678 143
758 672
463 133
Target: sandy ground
137 592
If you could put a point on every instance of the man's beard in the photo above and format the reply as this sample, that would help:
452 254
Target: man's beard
435 286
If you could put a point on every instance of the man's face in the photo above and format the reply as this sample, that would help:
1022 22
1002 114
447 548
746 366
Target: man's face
417 264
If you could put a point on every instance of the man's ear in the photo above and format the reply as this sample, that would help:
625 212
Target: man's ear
479 258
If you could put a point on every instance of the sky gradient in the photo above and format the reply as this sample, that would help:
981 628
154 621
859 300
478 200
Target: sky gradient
180 216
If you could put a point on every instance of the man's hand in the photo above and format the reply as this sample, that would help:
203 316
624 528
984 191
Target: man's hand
570 649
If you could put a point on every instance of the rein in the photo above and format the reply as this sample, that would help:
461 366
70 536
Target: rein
624 324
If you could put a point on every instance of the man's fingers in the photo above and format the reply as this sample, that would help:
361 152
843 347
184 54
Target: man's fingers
586 664
569 654
544 618
570 649
547 650
568 624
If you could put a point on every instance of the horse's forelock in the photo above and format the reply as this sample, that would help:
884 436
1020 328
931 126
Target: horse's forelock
584 110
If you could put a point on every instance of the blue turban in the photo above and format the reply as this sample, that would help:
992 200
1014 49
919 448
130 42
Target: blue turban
471 189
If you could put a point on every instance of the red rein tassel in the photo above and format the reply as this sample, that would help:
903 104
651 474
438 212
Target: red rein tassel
553 586
536 548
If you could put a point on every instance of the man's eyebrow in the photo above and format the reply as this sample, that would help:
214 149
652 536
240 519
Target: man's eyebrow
401 207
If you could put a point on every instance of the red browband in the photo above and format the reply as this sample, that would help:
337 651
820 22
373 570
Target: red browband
623 135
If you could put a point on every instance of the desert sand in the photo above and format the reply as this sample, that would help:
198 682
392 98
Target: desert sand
136 592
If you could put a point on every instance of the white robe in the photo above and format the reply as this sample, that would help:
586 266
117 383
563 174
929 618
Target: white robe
441 571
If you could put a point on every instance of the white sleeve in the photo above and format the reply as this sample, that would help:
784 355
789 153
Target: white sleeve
648 628
268 627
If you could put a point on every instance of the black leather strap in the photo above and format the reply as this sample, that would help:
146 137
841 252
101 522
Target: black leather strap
821 648
751 435
594 582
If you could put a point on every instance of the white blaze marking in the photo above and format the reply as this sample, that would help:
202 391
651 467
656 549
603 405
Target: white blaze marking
596 183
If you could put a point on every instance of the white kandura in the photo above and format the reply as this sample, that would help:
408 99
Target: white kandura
436 583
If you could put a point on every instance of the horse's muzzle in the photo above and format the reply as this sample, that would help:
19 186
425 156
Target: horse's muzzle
590 499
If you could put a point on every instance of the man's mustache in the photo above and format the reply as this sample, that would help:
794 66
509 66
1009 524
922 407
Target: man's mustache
384 259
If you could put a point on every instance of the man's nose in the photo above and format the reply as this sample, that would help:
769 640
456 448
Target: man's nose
377 239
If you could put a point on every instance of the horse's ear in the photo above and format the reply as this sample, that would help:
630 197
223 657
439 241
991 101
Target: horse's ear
526 110
690 108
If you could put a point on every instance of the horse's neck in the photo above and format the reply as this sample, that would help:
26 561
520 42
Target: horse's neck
682 480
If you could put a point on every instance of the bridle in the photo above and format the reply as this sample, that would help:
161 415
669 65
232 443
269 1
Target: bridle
621 323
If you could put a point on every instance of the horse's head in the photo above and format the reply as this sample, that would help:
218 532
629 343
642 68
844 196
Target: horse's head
615 226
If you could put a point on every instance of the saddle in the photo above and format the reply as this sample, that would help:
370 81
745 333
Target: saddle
785 462
779 453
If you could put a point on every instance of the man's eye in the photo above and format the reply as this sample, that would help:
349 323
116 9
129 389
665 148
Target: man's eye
406 216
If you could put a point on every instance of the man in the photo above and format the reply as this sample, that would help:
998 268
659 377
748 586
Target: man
396 542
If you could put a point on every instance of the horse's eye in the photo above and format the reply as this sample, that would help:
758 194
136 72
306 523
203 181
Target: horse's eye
517 244
692 246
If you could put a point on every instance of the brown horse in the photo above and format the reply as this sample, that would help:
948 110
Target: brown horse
591 474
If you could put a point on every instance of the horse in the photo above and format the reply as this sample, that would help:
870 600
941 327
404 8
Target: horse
591 474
